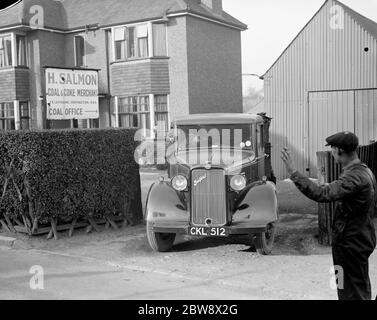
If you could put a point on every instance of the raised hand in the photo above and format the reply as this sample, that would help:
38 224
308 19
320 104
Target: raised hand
288 161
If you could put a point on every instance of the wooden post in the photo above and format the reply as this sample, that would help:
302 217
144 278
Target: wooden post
54 230
94 224
89 228
28 193
5 226
27 224
10 224
35 226
70 233
50 234
112 223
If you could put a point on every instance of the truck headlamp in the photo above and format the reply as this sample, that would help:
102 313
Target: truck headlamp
179 183
238 183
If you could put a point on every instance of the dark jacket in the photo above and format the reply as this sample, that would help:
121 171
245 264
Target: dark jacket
355 195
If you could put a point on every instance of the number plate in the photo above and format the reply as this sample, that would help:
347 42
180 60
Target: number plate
208 232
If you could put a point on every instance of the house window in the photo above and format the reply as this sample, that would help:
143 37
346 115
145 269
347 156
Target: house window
131 42
85 123
21 50
24 115
120 43
141 37
134 112
159 40
79 51
7 121
5 51
161 113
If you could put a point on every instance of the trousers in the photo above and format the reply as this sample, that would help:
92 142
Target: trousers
353 280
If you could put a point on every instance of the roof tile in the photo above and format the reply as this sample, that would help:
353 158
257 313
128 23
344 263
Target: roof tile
75 14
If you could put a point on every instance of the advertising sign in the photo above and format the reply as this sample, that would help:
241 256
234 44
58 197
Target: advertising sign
71 94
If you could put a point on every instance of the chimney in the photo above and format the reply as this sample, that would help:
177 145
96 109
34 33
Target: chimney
216 6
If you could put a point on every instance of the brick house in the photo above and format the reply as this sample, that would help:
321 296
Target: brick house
157 59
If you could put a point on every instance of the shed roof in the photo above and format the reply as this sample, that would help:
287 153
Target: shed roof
218 118
366 23
76 14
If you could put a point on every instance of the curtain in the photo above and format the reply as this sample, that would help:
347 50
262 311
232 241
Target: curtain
24 115
119 34
143 47
131 42
7 121
142 31
5 51
142 40
8 51
2 54
161 113
134 112
159 40
21 51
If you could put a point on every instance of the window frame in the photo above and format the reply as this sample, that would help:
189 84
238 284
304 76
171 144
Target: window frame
25 118
149 40
4 120
11 36
14 53
124 44
16 50
75 51
137 113
166 41
158 112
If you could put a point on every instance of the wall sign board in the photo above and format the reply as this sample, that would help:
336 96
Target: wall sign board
71 94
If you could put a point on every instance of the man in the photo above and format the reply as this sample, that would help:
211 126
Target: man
354 236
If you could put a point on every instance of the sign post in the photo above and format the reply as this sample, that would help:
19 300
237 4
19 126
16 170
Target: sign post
71 94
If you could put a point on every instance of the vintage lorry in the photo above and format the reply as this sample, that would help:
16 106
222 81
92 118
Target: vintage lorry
221 182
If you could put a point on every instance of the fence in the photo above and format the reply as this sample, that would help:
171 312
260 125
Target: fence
329 171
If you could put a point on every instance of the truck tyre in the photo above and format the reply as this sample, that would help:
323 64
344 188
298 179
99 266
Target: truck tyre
264 242
160 242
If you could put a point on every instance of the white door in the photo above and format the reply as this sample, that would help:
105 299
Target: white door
329 113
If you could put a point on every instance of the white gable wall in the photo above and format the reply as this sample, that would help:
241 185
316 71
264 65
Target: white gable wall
319 59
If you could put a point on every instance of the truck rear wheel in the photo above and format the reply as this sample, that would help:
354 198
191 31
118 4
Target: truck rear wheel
160 242
264 242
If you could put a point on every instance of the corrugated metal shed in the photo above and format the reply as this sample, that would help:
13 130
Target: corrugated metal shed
314 88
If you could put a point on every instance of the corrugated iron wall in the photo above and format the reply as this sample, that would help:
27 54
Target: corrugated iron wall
366 115
331 112
319 59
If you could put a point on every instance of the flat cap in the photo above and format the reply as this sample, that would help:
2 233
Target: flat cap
344 140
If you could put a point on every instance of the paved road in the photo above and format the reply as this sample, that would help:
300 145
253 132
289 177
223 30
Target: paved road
76 278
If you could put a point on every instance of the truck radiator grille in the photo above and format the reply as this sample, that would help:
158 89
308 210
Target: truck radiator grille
208 197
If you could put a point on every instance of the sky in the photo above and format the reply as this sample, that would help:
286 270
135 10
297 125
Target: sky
273 24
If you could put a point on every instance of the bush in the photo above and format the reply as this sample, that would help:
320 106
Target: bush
69 174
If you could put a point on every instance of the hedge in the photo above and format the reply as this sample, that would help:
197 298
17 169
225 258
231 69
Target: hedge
69 174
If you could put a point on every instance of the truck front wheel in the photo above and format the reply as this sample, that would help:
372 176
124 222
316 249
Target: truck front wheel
264 242
160 242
